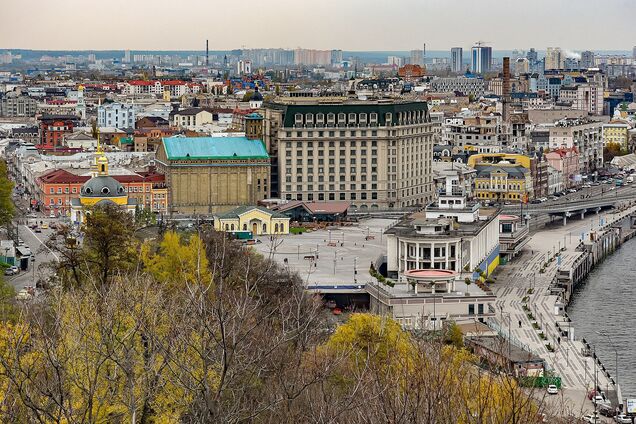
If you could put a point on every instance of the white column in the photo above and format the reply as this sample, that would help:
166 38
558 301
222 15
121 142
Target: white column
447 252
417 255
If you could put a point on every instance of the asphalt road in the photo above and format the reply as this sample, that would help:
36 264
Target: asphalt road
35 242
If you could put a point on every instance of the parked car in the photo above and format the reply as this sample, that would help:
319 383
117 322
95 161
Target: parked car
552 389
586 186
37 230
591 418
623 419
600 400
606 410
44 226
32 215
12 270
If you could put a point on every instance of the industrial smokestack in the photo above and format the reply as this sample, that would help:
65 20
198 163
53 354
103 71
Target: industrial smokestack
207 54
506 88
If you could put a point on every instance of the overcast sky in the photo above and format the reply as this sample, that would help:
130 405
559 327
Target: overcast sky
322 24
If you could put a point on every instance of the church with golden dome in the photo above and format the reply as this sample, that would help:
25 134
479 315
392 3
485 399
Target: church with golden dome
101 189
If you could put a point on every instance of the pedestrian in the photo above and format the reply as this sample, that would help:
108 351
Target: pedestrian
559 340
519 323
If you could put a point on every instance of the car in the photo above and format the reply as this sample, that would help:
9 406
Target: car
44 226
572 190
586 186
37 230
52 215
623 419
12 270
32 215
596 184
591 418
606 410
600 400
552 389
535 201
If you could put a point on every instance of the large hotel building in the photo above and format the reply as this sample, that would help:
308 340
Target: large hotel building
372 153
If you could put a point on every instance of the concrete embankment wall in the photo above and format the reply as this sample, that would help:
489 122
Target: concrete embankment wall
595 249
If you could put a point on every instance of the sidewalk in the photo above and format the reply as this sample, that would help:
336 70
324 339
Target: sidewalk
516 278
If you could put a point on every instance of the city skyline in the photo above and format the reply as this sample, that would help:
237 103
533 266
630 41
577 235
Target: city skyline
394 29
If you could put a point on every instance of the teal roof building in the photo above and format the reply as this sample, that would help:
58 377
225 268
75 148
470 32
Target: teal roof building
213 175
213 148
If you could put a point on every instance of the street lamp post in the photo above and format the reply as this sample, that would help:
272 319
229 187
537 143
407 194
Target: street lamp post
33 267
434 304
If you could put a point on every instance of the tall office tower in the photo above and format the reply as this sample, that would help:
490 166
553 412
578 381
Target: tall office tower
634 53
587 59
554 58
127 56
417 57
481 58
457 57
207 54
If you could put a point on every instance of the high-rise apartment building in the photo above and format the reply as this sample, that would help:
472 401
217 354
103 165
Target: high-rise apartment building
481 59
374 154
634 53
395 61
244 67
126 56
587 59
457 59
336 57
554 58
312 57
417 57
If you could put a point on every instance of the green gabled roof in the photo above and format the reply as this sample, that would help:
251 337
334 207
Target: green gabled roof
197 148
235 213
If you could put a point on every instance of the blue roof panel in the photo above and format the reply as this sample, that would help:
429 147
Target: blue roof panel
184 148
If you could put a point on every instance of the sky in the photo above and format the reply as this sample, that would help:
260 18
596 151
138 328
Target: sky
354 25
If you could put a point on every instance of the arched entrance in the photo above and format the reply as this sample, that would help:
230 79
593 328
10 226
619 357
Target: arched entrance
254 228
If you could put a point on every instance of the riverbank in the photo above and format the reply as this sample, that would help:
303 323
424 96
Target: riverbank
526 294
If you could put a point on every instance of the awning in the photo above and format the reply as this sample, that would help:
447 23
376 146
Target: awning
23 251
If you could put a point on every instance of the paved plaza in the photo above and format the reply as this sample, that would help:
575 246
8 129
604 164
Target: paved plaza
330 256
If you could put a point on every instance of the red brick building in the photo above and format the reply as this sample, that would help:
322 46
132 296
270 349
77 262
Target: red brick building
56 188
53 128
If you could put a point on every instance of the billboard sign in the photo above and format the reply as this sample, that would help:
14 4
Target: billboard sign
631 406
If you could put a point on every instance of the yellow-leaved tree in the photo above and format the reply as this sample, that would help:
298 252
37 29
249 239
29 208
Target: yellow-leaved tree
178 263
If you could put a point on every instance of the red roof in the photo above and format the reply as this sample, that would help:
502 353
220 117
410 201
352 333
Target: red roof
140 82
172 82
61 176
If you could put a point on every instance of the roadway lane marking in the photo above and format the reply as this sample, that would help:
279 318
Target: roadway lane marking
42 243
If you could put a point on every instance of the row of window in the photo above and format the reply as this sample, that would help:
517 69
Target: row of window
310 144
352 152
341 118
277 227
133 189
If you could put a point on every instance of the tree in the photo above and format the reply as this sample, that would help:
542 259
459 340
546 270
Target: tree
7 209
108 240
178 263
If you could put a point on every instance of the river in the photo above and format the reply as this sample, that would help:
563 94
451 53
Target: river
606 302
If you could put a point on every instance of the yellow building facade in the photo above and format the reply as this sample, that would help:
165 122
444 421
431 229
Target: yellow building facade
616 133
494 158
101 189
503 183
256 219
